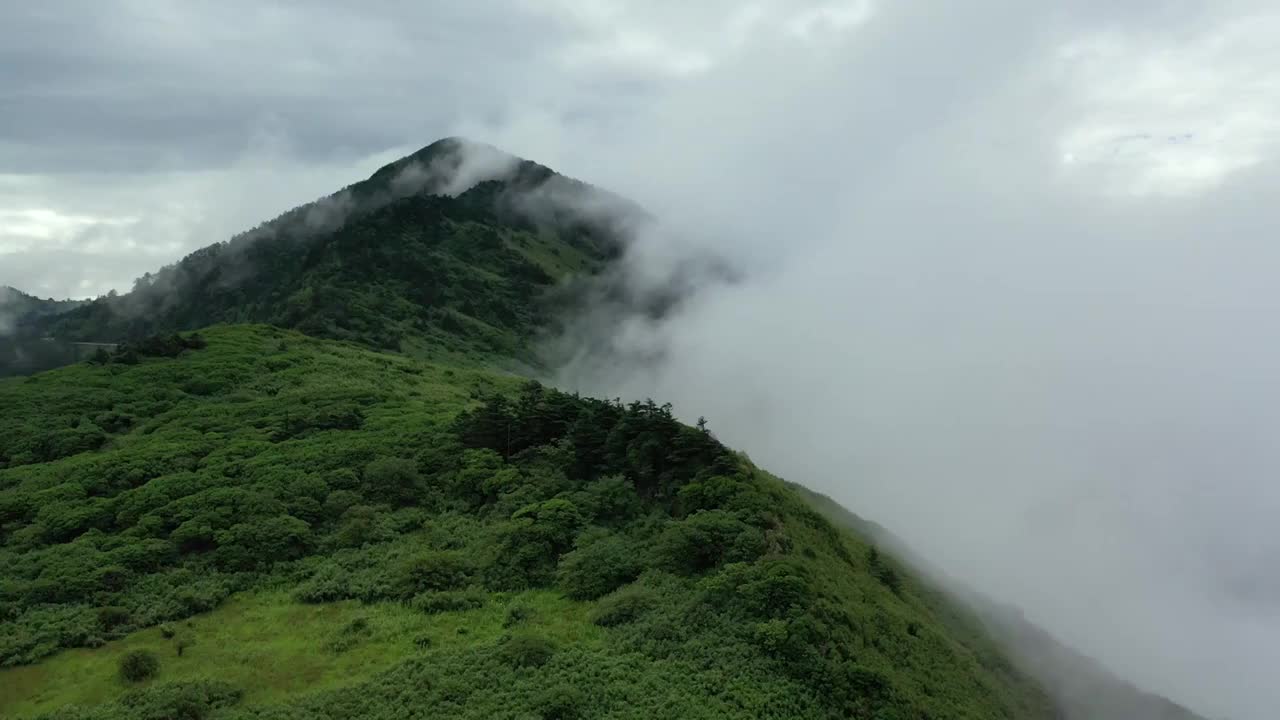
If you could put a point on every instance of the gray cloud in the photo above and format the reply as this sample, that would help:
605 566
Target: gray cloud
1004 272
159 87
1042 363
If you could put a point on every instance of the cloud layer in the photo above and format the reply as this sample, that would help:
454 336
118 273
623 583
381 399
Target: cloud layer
1005 272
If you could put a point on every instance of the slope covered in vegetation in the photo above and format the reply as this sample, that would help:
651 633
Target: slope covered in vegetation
502 549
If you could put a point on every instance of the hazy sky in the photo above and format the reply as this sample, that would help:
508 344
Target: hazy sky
1010 267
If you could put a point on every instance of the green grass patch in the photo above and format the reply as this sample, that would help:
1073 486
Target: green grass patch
550 253
272 647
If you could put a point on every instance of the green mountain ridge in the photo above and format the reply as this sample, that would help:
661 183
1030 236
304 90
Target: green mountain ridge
453 250
16 305
336 500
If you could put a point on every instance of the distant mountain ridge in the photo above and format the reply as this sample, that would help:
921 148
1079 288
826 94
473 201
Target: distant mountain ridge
17 307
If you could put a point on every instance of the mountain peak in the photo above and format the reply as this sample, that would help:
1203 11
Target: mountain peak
457 249
448 166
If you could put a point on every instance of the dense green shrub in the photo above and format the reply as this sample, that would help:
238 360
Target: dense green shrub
339 501
392 480
449 601
170 345
771 588
883 570
247 545
705 540
349 635
178 701
359 525
432 570
525 650
328 584
600 567
610 500
517 615
530 543
563 702
624 606
111 618
139 665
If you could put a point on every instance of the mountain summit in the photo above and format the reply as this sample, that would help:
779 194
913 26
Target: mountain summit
452 250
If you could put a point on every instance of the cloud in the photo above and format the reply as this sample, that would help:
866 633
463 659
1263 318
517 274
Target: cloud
1174 120
1053 378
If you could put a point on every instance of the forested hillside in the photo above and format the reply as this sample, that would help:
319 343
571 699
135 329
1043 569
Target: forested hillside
486 547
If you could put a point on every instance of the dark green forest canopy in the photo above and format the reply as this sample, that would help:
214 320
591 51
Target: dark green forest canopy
134 494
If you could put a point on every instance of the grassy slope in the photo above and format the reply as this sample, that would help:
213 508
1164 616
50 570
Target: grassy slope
253 641
786 618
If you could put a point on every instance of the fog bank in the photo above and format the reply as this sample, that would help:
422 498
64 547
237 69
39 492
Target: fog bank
1009 299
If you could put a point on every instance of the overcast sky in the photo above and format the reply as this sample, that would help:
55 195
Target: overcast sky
1010 266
